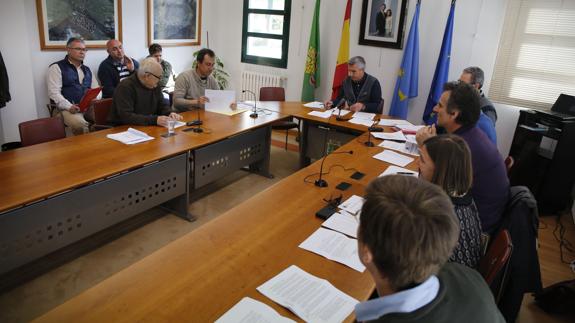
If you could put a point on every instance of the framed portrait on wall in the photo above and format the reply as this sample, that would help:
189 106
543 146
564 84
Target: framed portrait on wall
383 23
174 22
94 21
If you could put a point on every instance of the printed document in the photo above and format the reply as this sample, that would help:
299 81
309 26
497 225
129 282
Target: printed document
334 246
343 222
364 122
352 205
130 136
312 299
321 114
398 135
364 115
404 147
220 101
393 158
393 122
248 310
391 170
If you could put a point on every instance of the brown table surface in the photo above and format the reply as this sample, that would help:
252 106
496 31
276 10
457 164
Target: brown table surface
32 173
203 274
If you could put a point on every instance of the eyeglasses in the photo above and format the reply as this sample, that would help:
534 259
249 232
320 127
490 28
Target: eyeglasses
154 75
79 49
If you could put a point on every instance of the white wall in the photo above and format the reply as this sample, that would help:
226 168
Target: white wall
27 64
476 36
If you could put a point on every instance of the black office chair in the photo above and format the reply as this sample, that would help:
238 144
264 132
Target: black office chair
278 94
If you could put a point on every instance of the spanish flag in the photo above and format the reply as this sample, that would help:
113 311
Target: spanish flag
343 54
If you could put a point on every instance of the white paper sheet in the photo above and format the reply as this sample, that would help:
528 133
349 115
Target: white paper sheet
393 158
398 135
339 112
179 124
248 310
391 170
408 128
221 100
312 299
130 136
364 115
314 104
352 205
364 122
342 222
393 122
404 147
321 114
334 246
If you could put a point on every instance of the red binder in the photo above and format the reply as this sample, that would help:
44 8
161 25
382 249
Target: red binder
90 95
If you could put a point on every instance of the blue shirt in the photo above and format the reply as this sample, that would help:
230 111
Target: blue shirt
405 301
486 124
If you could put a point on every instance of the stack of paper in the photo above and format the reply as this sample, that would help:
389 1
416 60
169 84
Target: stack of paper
352 205
314 104
411 129
130 137
334 246
393 158
311 298
398 135
250 310
392 170
343 222
404 147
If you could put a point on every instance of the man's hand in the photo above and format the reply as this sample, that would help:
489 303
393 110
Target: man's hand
203 100
357 107
328 104
175 116
129 63
163 121
74 109
424 133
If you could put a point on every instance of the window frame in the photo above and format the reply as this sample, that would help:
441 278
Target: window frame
284 37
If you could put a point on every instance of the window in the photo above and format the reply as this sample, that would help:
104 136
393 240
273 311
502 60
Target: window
265 33
536 58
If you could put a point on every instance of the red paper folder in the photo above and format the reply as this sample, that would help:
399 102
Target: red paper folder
90 95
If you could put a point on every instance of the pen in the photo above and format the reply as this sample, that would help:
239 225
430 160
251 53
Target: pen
405 173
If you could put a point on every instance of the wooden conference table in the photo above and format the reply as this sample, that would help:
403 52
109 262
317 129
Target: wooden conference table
203 274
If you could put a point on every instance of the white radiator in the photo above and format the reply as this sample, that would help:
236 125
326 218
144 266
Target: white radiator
253 81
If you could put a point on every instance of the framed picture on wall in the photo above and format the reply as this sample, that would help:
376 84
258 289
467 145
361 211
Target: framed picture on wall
383 23
174 22
94 21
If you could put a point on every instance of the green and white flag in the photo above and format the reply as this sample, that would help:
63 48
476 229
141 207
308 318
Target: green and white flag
311 74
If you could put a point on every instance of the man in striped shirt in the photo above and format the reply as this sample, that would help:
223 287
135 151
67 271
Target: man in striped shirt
115 68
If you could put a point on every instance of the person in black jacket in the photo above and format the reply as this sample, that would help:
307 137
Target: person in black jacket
116 67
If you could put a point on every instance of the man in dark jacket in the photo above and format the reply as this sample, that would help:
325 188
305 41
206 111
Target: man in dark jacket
138 99
115 68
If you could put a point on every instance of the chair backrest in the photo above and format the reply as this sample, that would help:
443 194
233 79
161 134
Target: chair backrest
101 110
493 265
272 94
41 130
380 106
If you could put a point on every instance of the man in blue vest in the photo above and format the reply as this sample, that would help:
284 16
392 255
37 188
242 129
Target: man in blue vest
68 81
359 91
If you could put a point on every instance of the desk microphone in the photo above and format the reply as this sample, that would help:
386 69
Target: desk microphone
198 122
338 106
322 182
371 129
254 113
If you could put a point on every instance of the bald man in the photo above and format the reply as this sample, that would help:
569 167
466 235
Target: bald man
115 68
138 99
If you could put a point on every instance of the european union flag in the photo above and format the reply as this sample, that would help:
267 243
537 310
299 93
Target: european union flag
406 84
441 70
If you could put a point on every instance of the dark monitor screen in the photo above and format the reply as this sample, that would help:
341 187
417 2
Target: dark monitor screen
564 104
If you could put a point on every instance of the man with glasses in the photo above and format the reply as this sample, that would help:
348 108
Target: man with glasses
116 67
138 99
68 81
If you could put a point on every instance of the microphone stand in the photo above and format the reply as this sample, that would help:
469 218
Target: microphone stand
338 106
198 122
254 113
368 143
321 182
